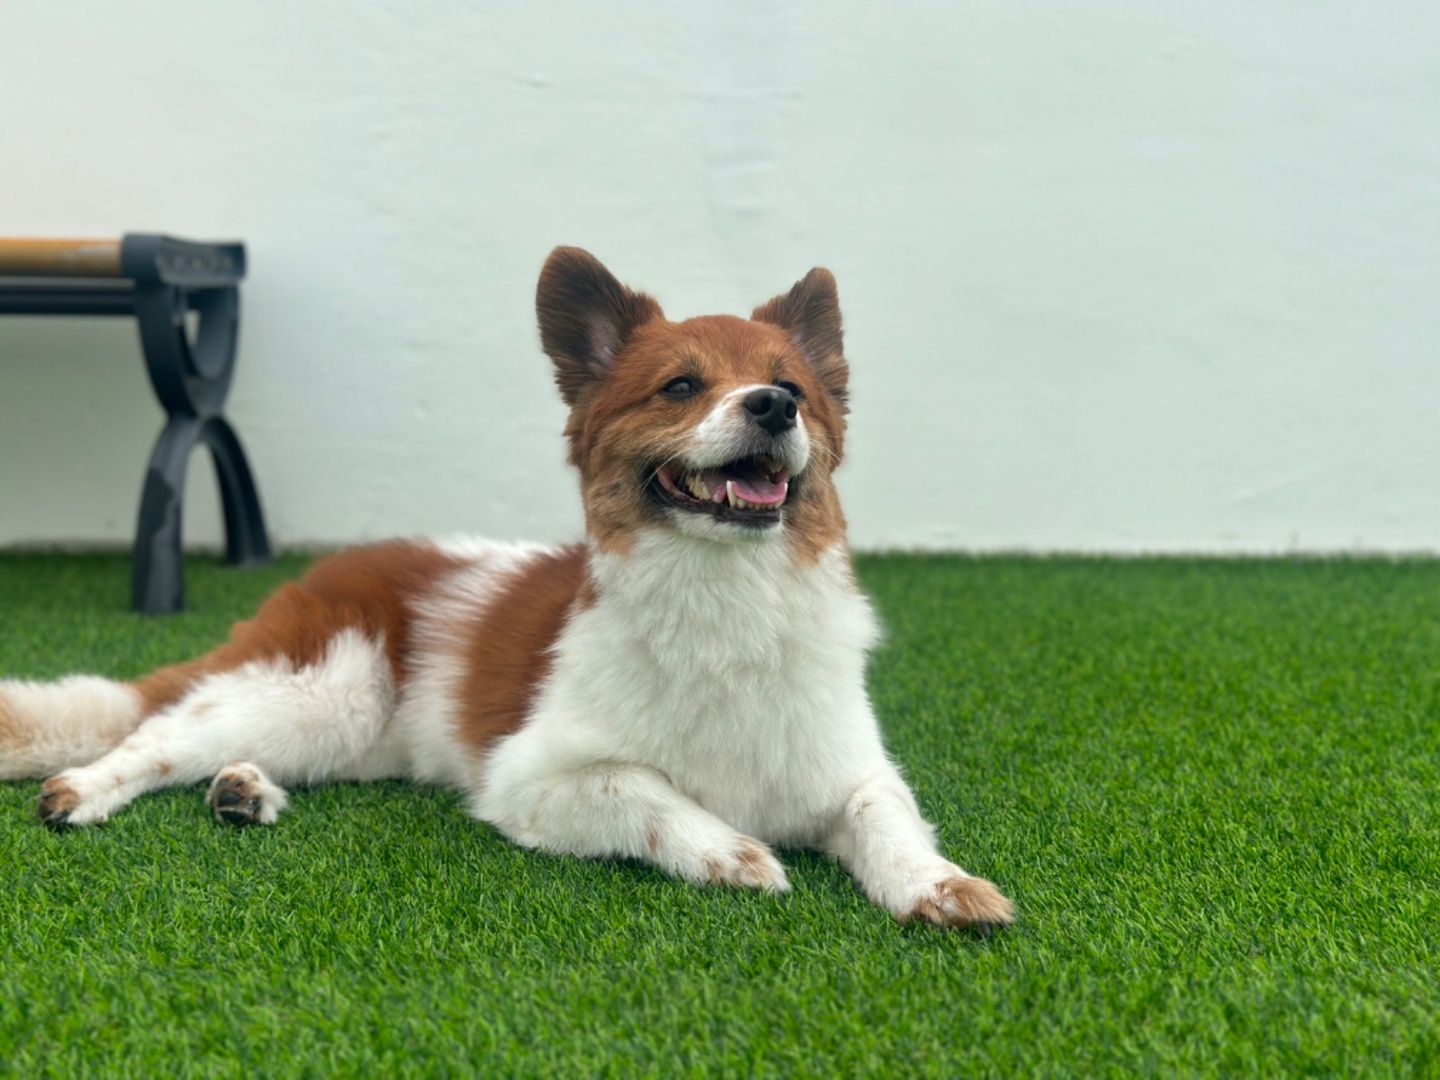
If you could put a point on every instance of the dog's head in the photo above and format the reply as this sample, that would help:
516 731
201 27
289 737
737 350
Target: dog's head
722 428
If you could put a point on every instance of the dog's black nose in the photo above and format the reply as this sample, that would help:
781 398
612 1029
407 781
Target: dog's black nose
773 409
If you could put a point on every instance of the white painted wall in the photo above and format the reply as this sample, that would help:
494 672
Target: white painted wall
1119 275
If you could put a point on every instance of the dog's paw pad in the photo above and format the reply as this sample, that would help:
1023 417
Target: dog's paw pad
749 865
57 801
964 901
241 796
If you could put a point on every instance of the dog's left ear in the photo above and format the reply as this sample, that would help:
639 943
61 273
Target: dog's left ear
810 314
586 316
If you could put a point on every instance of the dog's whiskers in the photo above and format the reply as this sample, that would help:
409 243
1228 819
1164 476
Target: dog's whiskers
649 479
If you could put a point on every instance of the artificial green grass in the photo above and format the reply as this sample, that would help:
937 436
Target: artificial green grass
1211 787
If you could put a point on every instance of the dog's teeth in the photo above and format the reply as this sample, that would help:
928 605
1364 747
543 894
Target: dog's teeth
730 496
698 488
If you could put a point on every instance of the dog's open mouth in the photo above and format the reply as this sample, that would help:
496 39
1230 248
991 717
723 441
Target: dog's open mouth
751 490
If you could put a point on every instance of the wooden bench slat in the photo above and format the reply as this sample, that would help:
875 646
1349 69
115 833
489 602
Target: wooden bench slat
60 258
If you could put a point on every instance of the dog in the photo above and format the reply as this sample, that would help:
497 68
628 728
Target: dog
685 688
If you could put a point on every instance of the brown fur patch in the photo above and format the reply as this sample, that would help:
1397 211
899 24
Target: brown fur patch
168 685
748 867
11 732
506 651
57 799
818 524
964 901
752 856
652 840
367 589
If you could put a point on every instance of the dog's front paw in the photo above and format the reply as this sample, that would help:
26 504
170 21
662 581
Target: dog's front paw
748 864
962 901
59 804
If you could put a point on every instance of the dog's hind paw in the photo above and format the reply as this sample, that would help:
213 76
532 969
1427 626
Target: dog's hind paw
243 795
57 802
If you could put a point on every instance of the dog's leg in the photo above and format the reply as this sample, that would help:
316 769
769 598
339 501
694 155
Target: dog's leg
308 724
890 849
168 748
625 811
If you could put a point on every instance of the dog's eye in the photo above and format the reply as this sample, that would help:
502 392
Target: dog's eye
682 387
791 389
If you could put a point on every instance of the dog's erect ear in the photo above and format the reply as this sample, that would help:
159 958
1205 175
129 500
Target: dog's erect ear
585 316
810 314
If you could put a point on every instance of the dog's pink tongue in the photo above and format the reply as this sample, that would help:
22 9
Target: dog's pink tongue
752 485
762 491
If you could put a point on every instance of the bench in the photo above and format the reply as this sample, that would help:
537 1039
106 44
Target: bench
165 284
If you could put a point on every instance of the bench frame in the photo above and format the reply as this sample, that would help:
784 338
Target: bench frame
160 281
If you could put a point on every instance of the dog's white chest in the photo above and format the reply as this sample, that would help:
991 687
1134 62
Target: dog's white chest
735 673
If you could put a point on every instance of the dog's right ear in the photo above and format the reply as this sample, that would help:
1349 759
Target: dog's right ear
586 316
810 314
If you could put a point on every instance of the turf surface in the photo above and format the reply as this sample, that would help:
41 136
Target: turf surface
1212 788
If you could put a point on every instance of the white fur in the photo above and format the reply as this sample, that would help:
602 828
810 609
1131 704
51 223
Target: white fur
714 691
717 665
63 723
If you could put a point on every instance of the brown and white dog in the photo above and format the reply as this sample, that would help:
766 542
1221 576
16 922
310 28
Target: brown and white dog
687 687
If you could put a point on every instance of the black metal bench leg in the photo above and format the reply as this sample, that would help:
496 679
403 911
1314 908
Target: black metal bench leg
158 568
158 571
246 543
